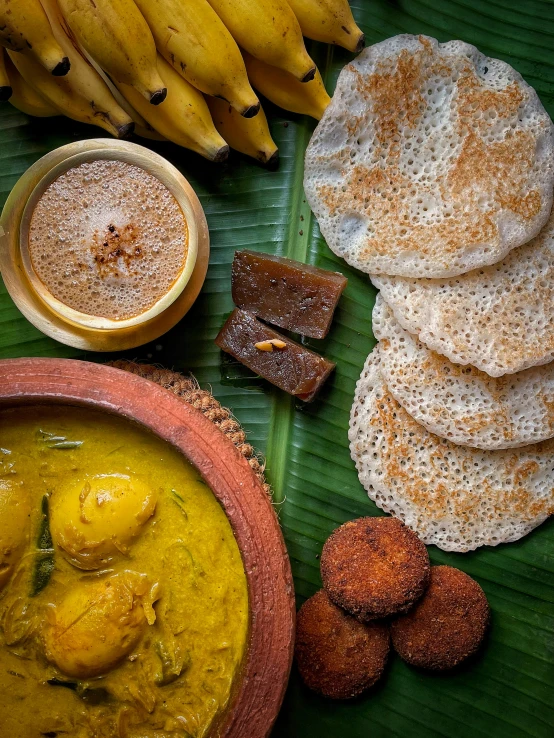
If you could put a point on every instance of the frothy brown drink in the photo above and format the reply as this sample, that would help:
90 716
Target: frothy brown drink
108 239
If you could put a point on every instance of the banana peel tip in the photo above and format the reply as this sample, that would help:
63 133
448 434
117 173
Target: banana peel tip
252 111
62 68
361 44
273 161
222 154
159 96
126 130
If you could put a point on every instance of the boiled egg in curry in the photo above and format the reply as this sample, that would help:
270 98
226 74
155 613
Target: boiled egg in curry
123 598
96 625
15 511
95 519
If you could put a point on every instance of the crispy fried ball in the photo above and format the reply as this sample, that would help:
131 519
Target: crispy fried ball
338 656
374 567
447 625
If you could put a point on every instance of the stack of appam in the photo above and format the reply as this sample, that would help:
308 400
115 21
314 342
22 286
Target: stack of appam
432 170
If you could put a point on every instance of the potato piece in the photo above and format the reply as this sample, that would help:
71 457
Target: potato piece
95 520
96 625
15 511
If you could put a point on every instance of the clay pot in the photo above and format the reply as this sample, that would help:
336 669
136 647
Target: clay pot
260 689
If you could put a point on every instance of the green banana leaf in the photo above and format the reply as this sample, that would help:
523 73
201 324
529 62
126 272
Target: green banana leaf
507 691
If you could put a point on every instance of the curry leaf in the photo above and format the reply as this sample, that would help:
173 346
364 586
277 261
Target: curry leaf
51 440
44 562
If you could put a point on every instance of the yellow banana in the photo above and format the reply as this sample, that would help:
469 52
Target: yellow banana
284 90
84 98
149 133
269 30
183 117
5 85
24 27
330 21
191 37
115 33
26 99
82 94
142 127
250 136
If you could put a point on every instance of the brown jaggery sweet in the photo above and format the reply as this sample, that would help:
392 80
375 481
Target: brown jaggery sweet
287 293
338 656
292 367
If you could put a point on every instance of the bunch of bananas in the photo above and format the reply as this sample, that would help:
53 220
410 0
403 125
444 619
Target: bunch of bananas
181 70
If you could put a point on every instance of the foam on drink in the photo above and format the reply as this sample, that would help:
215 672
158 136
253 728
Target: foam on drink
108 239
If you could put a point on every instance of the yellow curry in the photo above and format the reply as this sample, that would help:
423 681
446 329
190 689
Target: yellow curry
123 599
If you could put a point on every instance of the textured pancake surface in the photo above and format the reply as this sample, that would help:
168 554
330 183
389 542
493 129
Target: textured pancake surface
461 403
500 319
374 567
447 625
338 656
430 161
455 497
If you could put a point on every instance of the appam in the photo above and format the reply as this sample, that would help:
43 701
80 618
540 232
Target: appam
499 319
455 497
431 160
461 403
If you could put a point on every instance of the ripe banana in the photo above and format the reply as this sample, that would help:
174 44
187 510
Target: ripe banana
115 33
83 98
142 127
149 133
24 27
249 136
26 99
183 117
82 94
330 21
268 30
191 37
284 90
5 85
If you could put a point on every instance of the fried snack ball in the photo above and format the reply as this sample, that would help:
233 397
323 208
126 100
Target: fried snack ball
447 625
15 512
338 656
374 567
95 520
96 625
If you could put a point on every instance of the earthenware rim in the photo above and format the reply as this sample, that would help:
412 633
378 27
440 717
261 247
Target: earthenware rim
45 319
260 692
